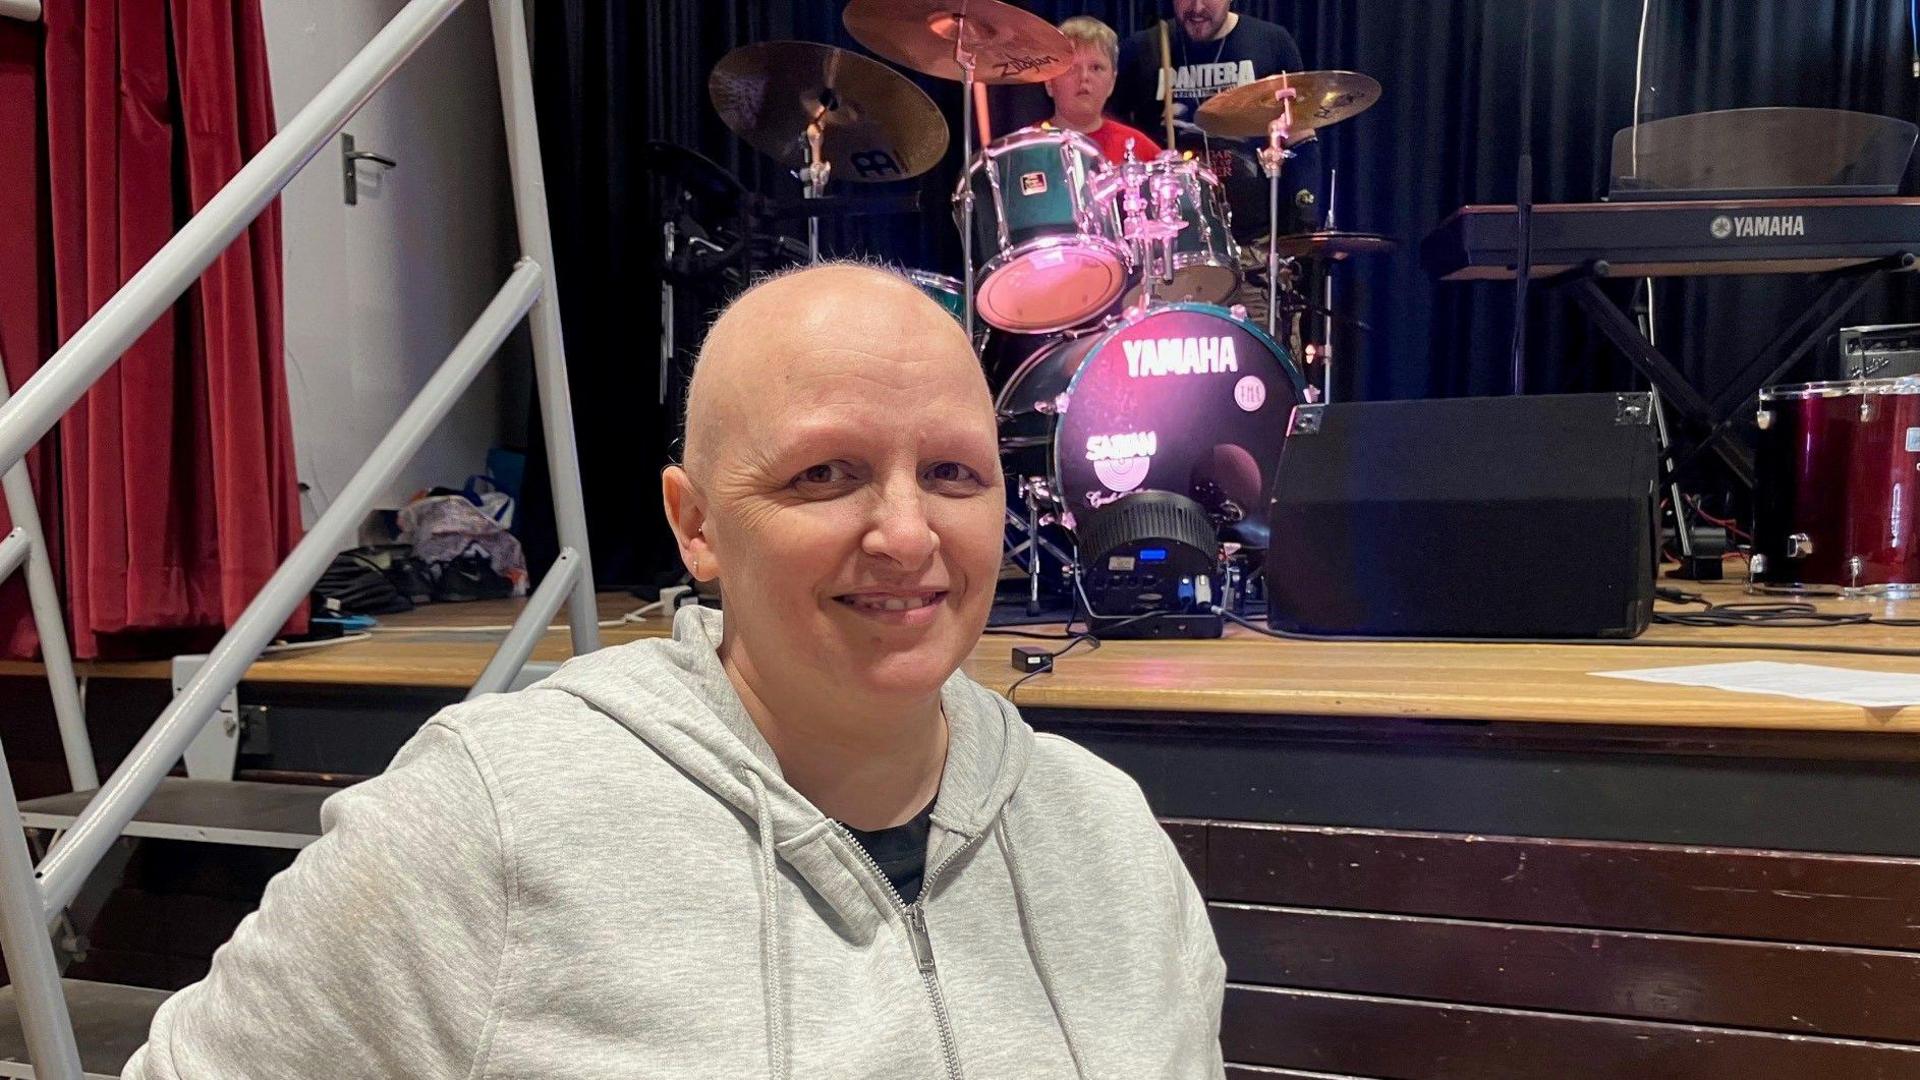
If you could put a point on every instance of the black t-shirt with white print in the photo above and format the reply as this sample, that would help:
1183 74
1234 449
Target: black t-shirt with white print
1254 49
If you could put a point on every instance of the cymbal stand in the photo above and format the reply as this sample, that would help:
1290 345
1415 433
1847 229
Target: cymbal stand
1272 157
814 175
1326 296
963 56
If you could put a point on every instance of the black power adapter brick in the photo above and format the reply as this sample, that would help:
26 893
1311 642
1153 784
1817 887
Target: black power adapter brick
1027 658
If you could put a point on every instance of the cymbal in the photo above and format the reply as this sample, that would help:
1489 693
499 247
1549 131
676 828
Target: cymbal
875 124
1009 44
1331 244
1324 98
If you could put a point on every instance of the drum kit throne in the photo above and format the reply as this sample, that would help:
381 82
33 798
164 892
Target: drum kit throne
1117 280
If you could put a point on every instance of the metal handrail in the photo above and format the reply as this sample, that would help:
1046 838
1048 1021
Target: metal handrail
43 597
536 243
13 551
30 897
66 868
529 627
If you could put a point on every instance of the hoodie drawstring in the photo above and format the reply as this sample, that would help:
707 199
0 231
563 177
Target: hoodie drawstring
1035 950
773 982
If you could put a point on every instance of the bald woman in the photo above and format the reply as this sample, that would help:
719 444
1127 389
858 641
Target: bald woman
790 841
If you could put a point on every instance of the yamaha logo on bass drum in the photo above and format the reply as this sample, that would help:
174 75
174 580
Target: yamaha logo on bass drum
1752 226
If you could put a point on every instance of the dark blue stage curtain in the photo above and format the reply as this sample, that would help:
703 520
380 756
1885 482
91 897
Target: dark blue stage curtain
612 75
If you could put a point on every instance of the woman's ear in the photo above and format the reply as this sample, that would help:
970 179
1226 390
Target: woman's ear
687 516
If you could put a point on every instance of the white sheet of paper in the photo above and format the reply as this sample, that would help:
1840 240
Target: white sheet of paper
1848 686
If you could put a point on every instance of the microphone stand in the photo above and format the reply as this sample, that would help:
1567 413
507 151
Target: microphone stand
1523 207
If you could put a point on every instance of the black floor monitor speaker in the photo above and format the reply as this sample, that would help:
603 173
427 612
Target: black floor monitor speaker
1468 517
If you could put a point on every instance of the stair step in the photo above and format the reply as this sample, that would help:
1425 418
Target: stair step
110 1022
245 813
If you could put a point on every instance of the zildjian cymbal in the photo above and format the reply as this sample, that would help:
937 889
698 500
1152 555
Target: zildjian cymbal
1008 44
1321 99
874 123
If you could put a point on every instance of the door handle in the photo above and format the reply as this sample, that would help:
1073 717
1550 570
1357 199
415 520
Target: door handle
349 166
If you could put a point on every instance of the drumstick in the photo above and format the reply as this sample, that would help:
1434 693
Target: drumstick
1166 82
981 120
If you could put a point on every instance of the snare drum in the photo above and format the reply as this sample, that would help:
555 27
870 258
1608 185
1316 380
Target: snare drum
1206 260
1047 255
1835 507
1182 398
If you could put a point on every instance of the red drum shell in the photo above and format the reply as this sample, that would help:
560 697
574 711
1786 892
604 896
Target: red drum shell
1838 500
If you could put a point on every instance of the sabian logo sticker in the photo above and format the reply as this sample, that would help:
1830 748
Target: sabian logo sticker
1033 183
1758 225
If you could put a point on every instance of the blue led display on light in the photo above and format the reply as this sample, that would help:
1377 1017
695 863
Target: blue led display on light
1153 554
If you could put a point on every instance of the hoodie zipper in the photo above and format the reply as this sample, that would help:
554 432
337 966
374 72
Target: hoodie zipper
916 920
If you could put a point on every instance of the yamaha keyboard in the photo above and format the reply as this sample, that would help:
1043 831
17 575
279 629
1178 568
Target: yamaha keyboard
1678 238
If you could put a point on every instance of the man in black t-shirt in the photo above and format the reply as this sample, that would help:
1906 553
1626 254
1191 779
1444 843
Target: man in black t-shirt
1215 48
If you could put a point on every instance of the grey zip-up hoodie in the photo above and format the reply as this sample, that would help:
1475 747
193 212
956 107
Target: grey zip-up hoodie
605 876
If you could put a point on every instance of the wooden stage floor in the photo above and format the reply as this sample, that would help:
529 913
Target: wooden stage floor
1245 673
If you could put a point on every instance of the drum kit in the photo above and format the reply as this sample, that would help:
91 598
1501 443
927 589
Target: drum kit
1117 280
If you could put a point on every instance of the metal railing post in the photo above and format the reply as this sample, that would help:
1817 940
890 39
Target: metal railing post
67 867
529 627
29 950
43 594
549 354
14 549
98 344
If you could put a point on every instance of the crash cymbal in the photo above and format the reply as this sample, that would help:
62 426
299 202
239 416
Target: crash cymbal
1332 244
875 124
1323 98
1009 44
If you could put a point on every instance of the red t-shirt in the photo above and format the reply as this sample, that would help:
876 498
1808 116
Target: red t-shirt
1112 135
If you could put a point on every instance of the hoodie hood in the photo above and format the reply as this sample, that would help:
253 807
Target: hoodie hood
676 697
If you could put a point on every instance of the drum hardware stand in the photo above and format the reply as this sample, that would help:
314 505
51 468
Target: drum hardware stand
1272 157
668 237
814 176
1326 298
1693 566
964 57
1151 237
1032 491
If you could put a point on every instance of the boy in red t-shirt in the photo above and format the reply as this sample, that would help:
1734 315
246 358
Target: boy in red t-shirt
1081 94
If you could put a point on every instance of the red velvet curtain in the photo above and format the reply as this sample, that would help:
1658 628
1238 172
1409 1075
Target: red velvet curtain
26 298
177 467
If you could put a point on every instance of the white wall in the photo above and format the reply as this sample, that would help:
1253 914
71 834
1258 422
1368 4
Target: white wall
377 293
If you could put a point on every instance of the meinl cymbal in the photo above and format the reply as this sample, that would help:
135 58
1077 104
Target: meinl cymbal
875 124
1009 44
1322 99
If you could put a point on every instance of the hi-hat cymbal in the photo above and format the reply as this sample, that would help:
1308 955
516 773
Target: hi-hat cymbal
1322 99
1009 44
875 124
1331 244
